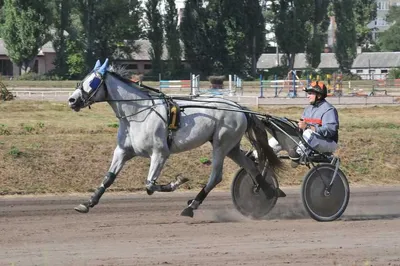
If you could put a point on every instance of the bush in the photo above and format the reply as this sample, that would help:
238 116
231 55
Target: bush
351 76
5 94
280 72
394 73
217 80
40 77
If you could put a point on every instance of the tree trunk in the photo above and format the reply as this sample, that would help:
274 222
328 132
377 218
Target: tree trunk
291 58
27 66
254 60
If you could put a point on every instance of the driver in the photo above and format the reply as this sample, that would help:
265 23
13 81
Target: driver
319 123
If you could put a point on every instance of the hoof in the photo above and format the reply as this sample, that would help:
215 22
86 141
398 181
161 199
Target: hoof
82 208
280 193
269 192
149 192
182 180
188 212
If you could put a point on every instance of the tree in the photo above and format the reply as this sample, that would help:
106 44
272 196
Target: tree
25 30
172 37
194 34
254 31
389 39
345 47
1 15
223 37
108 27
268 15
154 34
76 63
1 6
62 25
291 19
318 25
364 13
230 19
238 27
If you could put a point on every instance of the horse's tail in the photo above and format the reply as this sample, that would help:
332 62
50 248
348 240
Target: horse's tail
257 135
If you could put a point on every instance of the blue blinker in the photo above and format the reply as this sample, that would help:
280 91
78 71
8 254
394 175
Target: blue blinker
95 83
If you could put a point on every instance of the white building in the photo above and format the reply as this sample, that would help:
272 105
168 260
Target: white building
375 65
380 24
371 65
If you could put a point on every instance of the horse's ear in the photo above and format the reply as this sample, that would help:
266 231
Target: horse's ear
103 68
97 65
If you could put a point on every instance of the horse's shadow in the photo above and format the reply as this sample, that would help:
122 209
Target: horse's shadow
369 217
292 214
303 216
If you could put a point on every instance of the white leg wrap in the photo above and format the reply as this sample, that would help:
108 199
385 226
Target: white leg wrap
174 185
194 204
179 181
274 145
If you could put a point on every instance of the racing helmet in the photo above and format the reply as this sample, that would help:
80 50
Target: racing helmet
318 87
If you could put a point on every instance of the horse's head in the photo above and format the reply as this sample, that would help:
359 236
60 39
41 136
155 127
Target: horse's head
91 89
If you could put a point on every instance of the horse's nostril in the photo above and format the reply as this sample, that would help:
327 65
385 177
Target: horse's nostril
72 100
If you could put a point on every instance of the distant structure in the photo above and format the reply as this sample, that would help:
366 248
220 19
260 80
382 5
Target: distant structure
331 35
380 24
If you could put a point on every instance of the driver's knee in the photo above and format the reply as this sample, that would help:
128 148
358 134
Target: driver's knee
307 134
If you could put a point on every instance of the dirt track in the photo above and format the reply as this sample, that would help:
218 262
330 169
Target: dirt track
137 229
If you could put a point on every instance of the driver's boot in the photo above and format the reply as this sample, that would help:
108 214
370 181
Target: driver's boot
294 157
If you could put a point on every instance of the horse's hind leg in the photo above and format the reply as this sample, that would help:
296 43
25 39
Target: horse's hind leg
119 158
242 160
215 178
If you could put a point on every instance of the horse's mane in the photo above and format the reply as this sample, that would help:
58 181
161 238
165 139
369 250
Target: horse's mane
120 73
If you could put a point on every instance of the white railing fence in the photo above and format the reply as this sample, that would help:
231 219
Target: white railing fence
241 99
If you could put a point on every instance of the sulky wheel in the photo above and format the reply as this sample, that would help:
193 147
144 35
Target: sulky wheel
249 199
321 204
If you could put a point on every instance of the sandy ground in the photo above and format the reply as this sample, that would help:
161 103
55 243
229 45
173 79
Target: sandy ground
136 229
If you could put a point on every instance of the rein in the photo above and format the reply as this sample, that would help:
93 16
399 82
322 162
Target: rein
186 106
151 108
100 81
145 109
225 109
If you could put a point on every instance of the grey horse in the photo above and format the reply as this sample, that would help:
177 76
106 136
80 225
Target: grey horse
144 119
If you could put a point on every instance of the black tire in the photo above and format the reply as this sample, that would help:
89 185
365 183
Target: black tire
249 202
319 205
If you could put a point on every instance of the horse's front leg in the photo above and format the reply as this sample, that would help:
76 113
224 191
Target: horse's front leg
120 156
158 160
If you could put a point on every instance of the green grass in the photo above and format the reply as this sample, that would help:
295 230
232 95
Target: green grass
47 148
